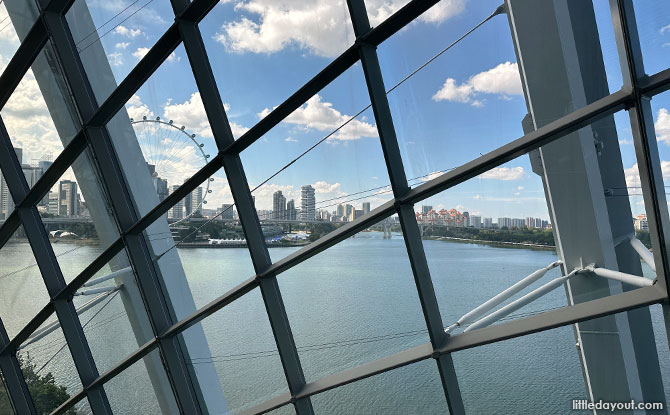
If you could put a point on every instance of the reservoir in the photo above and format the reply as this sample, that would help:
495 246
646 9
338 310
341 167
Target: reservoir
351 304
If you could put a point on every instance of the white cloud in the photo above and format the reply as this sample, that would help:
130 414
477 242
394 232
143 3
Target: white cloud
322 27
503 80
124 31
320 115
665 29
290 140
174 58
28 121
504 173
192 114
662 126
140 52
625 142
633 176
137 109
520 188
115 59
122 45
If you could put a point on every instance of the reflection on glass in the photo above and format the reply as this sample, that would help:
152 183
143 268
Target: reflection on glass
16 18
493 378
134 390
246 361
353 303
5 402
23 291
38 119
112 37
48 368
112 312
413 389
78 217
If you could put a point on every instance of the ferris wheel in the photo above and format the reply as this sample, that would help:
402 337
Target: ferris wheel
175 155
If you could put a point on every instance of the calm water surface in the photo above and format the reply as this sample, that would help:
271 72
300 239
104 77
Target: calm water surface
351 304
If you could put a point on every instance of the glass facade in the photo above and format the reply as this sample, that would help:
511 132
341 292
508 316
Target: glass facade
202 256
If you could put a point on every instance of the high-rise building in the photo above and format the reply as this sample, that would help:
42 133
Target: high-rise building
195 206
227 211
425 209
348 211
641 223
340 210
291 211
476 221
487 222
307 203
278 205
366 208
177 211
68 198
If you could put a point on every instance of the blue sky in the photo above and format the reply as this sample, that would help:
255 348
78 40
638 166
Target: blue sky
464 104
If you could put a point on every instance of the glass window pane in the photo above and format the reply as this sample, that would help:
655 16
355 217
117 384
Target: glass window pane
142 388
652 25
412 389
112 313
262 52
112 37
23 291
492 378
16 19
78 217
241 353
48 367
6 406
38 118
322 167
353 303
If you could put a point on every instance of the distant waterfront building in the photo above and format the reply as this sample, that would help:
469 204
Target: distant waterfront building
52 205
641 223
426 208
348 211
291 211
177 211
307 203
366 208
227 211
278 206
466 219
340 210
487 223
476 221
68 199
357 214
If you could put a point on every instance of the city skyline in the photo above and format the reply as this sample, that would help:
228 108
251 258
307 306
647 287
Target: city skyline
477 100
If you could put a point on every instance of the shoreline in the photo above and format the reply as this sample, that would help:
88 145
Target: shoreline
499 244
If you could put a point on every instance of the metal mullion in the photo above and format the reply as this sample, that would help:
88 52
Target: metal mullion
154 58
15 382
644 137
411 232
115 185
251 226
10 225
24 56
541 322
51 273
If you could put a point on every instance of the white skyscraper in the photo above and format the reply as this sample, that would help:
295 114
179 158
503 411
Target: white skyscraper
307 203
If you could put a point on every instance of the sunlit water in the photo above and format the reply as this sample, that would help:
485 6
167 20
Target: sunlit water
349 305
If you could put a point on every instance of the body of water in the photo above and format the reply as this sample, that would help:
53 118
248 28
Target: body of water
351 304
